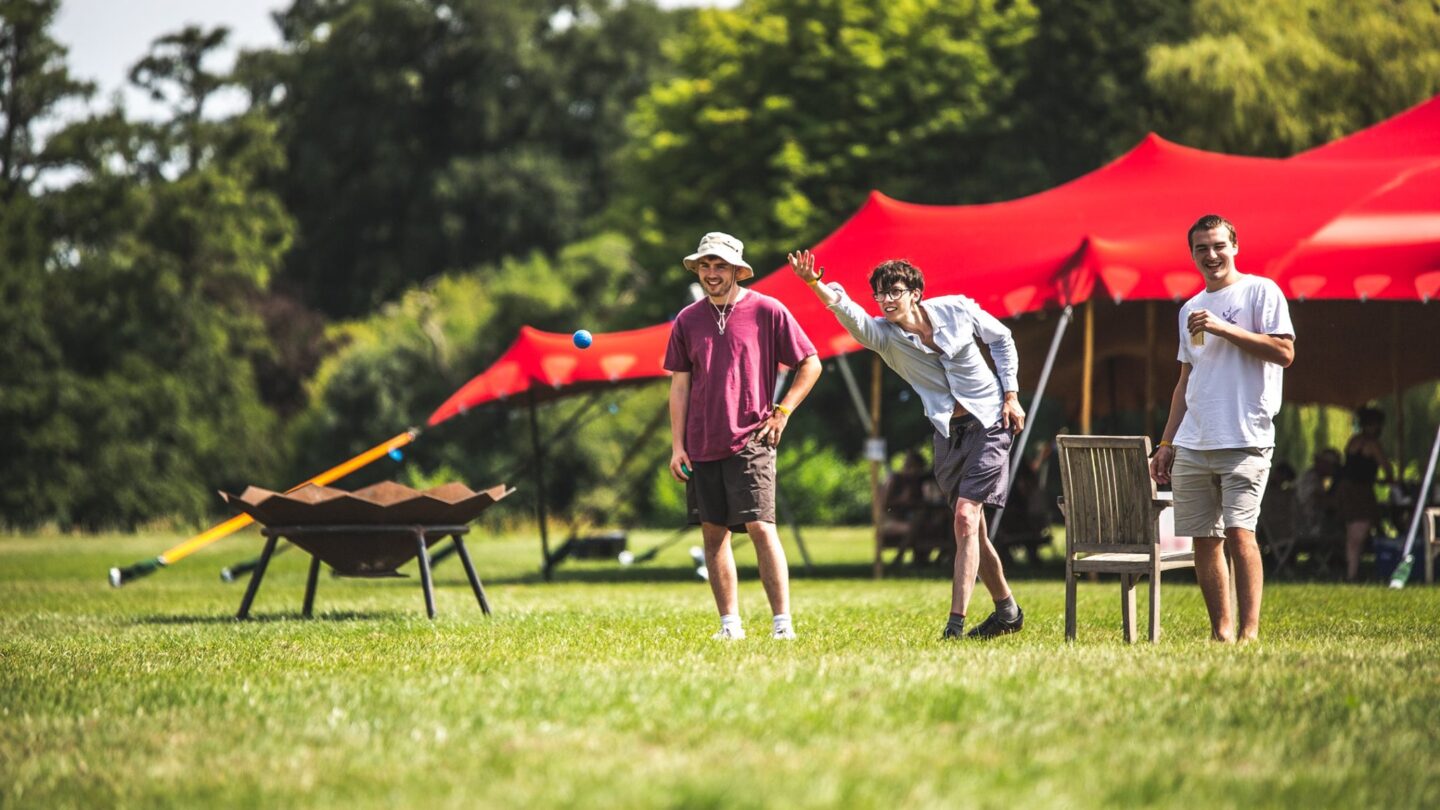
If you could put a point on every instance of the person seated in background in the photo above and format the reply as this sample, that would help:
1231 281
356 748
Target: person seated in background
905 489
1027 512
1315 494
908 503
1282 477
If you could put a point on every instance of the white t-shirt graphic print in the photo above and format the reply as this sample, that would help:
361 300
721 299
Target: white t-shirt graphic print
1232 396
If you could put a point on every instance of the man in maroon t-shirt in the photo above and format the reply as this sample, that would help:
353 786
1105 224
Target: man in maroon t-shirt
724 352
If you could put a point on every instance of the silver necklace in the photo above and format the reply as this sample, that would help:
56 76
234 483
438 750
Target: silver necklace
721 316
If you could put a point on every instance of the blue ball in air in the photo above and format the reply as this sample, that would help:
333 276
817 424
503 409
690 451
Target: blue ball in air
397 455
583 339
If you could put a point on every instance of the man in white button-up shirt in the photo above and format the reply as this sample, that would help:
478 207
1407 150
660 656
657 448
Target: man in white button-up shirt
975 411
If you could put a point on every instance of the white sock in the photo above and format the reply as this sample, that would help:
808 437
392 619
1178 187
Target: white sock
782 621
730 621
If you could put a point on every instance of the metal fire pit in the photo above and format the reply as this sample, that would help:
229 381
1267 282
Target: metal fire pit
367 533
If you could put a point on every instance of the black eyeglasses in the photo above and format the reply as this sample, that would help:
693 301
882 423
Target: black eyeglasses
892 294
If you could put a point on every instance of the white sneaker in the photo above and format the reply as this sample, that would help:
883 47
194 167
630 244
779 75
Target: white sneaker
783 632
729 634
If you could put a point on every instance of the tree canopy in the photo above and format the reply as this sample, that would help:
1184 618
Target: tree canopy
207 301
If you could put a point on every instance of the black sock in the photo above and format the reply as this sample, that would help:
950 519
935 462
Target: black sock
956 624
1007 610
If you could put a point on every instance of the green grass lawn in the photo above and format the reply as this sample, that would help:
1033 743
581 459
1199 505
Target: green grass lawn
604 689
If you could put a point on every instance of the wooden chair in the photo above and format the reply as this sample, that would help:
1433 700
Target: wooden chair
1112 522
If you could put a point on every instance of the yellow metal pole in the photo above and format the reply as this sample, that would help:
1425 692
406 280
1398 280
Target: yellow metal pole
119 576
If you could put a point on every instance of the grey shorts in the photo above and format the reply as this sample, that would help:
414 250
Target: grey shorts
974 462
734 491
1217 490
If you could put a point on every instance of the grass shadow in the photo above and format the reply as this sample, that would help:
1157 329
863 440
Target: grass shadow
262 618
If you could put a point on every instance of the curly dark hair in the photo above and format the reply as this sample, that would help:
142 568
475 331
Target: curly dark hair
1370 417
887 273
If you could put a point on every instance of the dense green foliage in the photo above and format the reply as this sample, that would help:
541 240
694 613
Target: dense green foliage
787 112
604 689
137 379
431 136
201 302
1276 78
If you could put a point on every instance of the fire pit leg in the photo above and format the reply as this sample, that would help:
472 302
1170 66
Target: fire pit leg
459 545
425 573
255 578
310 585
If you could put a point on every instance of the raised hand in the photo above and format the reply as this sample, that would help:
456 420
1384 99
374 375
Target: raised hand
803 263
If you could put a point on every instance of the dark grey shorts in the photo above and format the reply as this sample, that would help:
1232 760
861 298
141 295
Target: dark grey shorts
735 490
974 462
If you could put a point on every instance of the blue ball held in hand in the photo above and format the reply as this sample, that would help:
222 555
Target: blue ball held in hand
582 339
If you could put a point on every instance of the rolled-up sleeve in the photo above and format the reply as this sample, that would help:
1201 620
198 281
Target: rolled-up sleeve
859 323
997 337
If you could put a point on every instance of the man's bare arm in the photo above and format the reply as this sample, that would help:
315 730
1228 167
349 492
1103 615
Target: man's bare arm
805 376
679 408
1165 454
1277 349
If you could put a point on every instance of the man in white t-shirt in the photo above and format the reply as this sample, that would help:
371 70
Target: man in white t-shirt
1235 341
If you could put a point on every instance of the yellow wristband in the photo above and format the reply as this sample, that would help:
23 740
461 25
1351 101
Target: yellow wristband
812 282
782 409
1163 443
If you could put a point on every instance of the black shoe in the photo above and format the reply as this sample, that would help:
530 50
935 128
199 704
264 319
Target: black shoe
953 632
996 626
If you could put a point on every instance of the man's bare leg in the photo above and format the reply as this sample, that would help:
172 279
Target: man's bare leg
774 572
1214 579
720 562
992 570
1356 533
1240 545
968 515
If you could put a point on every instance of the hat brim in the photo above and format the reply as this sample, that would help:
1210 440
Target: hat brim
729 256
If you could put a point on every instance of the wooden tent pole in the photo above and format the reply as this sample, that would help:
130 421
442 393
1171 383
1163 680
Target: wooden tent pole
1399 455
1087 378
1149 368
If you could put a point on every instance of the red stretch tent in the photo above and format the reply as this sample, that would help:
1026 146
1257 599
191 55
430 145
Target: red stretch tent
1413 134
1309 222
1387 244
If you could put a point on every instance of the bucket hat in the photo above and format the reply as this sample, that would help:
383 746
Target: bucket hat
726 247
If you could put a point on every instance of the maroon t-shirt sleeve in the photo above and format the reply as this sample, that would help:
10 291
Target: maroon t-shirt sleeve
792 345
677 358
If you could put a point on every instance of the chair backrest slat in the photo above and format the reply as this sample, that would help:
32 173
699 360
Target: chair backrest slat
1108 490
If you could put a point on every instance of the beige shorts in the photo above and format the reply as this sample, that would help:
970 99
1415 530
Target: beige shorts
1217 490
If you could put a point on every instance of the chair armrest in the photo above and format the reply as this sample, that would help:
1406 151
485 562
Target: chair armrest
1161 504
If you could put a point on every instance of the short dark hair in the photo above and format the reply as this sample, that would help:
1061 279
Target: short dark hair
1370 417
891 271
1207 222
